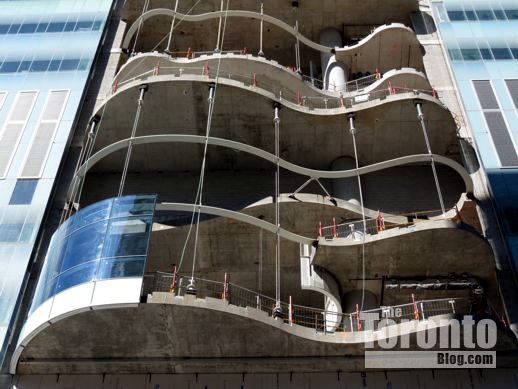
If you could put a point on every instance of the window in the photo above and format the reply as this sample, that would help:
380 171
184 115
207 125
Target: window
470 15
70 26
470 54
512 14
500 15
512 87
501 53
69 64
455 54
456 15
9 233
84 26
39 66
10 67
486 54
56 27
42 27
23 192
485 14
514 51
28 28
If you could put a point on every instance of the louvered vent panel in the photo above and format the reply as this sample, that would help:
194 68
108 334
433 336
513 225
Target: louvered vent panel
501 138
485 94
512 86
44 135
13 128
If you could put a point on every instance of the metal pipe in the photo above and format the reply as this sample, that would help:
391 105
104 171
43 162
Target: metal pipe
217 49
276 121
169 40
261 53
420 116
143 89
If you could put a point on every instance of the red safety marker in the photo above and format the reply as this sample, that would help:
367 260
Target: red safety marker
341 101
157 68
334 228
320 228
298 98
416 312
290 313
225 288
206 69
377 74
189 53
254 80
115 86
390 88
244 51
434 94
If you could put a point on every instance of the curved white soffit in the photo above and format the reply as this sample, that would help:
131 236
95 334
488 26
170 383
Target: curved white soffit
247 14
176 138
242 217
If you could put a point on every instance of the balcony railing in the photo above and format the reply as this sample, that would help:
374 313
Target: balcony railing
277 89
293 314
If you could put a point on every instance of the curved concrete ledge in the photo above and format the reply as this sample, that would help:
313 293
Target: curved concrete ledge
149 337
93 160
140 67
256 15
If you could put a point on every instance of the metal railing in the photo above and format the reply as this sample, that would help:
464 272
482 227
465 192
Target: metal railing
277 89
354 229
310 317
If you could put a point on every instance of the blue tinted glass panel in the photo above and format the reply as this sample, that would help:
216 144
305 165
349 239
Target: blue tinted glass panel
69 64
23 192
84 245
10 67
121 267
77 275
501 53
133 205
127 236
485 15
470 54
4 28
14 28
456 15
54 65
500 15
28 28
91 214
97 25
70 26
84 26
470 15
24 66
486 54
512 13
26 235
455 54
42 27
514 51
39 66
56 27
83 64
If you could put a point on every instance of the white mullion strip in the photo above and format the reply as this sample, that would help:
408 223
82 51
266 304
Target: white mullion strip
3 174
3 97
56 123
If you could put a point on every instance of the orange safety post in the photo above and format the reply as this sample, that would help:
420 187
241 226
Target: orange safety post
244 51
254 80
290 313
320 228
377 74
434 94
416 312
115 86
381 222
358 322
390 88
189 53
157 68
334 228
173 283
341 101
298 98
206 69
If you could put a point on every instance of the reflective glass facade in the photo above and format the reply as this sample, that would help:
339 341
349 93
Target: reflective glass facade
108 239
481 40
46 52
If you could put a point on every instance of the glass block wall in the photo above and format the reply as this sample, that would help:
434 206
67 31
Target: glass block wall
481 41
46 51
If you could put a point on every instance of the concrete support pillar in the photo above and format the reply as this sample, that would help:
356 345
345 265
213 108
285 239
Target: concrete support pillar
346 188
334 73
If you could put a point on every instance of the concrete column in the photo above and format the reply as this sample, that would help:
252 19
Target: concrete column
334 73
346 188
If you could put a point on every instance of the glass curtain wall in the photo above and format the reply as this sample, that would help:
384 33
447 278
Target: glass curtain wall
46 52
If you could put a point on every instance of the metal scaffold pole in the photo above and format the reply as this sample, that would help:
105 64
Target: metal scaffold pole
170 38
277 310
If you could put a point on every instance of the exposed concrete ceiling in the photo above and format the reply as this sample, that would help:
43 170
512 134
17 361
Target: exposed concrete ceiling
355 21
387 128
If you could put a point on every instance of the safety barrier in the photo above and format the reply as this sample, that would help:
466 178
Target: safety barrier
355 229
293 314
277 89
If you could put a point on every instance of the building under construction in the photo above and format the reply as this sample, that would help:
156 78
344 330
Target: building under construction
249 179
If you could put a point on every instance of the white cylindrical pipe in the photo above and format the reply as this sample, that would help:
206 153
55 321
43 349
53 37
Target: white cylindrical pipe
334 72
346 188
